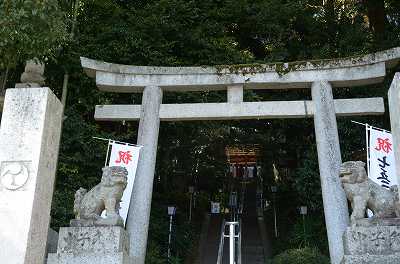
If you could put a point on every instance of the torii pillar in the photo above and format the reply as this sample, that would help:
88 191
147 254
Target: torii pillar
394 107
137 223
329 161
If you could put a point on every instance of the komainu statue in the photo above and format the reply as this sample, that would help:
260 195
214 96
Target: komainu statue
33 74
363 193
89 205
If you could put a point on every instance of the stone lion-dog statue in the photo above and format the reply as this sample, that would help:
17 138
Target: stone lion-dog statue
89 205
363 193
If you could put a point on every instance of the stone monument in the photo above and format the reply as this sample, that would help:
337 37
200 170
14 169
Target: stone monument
33 74
92 238
373 240
29 140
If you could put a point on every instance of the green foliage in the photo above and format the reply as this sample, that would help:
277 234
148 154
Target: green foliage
294 233
166 32
175 260
310 233
29 29
153 255
300 256
307 181
80 162
182 233
197 32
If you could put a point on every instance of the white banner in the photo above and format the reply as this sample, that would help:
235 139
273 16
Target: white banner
382 168
127 156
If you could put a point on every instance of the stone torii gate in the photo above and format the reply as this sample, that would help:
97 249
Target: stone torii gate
319 76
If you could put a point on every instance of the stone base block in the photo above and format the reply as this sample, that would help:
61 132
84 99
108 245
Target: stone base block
368 222
373 240
109 221
76 240
372 259
65 258
89 245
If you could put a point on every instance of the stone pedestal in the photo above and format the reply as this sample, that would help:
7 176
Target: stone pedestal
29 139
88 245
372 242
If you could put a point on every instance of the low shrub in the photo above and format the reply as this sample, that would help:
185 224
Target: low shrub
300 256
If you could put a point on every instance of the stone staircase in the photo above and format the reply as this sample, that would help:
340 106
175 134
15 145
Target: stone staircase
254 255
209 247
252 243
253 250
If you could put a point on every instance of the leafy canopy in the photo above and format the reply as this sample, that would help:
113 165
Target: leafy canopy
29 29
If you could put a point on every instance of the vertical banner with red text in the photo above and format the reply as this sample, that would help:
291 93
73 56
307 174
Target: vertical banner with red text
125 155
382 168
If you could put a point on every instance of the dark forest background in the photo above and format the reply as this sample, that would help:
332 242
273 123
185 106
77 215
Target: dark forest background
189 33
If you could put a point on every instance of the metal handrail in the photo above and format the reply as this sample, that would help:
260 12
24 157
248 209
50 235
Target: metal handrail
233 258
243 193
221 243
240 243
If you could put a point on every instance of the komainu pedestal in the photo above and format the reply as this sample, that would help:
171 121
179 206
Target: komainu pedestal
372 241
89 245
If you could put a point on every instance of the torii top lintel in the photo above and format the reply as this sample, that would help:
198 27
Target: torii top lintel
345 72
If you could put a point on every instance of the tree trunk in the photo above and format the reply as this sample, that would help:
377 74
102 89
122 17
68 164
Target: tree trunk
377 18
331 25
4 78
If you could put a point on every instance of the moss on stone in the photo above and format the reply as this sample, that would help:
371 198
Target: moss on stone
242 68
284 68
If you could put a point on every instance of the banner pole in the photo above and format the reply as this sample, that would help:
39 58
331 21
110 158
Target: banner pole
116 141
108 151
376 128
368 146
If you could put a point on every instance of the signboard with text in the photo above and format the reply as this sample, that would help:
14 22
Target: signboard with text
382 168
127 156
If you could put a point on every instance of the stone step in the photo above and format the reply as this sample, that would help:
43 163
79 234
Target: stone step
253 250
253 255
253 260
